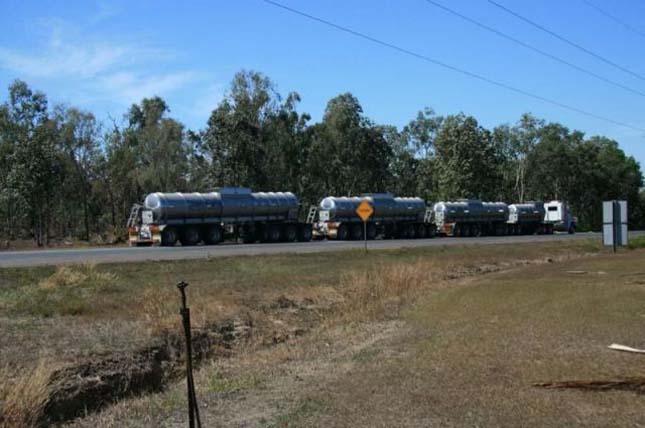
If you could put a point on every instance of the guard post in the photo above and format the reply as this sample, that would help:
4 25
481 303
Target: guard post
193 409
614 224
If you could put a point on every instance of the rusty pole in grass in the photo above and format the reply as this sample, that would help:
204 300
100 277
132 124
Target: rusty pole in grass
193 410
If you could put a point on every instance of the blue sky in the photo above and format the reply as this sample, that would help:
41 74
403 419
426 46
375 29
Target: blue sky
102 56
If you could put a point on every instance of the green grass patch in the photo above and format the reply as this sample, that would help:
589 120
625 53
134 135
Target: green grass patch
636 242
304 411
221 385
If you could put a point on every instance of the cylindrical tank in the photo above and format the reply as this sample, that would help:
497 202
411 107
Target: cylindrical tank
385 206
470 210
227 202
530 212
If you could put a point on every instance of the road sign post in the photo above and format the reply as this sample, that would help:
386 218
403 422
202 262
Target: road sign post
614 228
365 211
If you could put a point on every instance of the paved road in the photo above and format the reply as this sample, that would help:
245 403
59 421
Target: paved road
140 254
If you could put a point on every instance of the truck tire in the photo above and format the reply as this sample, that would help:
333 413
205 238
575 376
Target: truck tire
213 235
305 233
190 236
169 237
275 234
248 234
342 233
357 232
371 231
410 231
290 233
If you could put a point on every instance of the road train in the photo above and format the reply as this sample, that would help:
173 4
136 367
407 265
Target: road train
238 213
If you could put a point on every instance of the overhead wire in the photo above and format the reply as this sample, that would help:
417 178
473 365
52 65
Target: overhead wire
448 66
534 48
566 40
615 18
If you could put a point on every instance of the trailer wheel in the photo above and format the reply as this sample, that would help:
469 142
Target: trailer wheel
357 232
248 234
304 233
213 235
169 237
476 231
371 231
275 234
190 236
342 233
290 233
422 231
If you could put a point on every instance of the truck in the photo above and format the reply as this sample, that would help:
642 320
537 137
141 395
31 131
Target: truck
393 218
559 216
209 218
470 217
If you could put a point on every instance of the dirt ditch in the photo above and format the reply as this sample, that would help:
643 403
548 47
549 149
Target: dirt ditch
89 386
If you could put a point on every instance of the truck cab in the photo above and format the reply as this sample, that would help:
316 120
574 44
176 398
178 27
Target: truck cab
559 215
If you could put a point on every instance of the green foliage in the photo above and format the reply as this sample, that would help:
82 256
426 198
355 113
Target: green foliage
63 175
636 242
466 162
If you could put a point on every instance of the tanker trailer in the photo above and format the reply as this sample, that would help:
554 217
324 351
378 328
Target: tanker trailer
470 217
527 219
393 217
228 212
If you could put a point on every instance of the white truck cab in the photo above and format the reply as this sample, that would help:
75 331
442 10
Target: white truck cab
559 214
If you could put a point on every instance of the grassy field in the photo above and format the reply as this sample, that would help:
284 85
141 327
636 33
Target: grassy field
394 338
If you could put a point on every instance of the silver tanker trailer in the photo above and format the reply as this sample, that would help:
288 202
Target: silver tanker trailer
470 217
393 217
191 218
528 219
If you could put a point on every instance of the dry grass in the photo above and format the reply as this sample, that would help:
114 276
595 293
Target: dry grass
25 398
344 288
382 291
74 276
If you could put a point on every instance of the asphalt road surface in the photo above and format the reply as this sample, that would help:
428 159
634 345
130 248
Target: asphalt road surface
140 254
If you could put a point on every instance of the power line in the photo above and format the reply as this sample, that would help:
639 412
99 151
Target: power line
615 19
449 67
535 49
565 40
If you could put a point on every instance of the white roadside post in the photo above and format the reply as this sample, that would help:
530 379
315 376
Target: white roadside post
614 224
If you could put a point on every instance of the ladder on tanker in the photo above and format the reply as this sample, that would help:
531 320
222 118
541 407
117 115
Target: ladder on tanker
135 212
428 216
311 216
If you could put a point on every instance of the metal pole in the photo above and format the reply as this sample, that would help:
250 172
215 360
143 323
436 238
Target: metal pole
614 207
193 410
365 234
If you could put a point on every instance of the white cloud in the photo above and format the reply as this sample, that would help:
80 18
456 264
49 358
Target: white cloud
132 87
101 69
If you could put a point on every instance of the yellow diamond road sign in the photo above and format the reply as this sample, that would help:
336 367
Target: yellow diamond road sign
365 210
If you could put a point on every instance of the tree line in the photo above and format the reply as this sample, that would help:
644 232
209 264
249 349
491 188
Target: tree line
65 175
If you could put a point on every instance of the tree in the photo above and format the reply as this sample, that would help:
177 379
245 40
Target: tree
513 145
350 155
33 168
78 145
466 162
